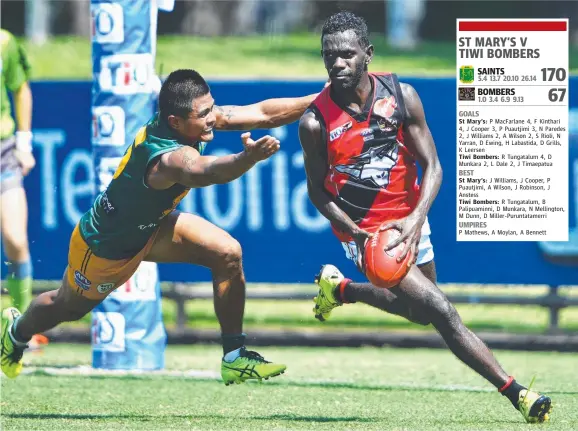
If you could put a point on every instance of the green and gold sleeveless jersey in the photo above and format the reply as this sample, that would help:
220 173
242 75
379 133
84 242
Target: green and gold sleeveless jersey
125 215
15 72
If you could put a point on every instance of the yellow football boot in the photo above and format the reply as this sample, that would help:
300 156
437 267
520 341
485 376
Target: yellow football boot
11 354
534 407
249 365
328 280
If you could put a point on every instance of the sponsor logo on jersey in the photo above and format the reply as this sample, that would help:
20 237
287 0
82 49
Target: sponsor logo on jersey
373 165
127 74
147 226
104 287
107 23
106 205
367 134
108 125
81 281
338 131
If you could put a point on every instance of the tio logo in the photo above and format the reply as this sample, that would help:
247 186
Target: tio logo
107 23
126 74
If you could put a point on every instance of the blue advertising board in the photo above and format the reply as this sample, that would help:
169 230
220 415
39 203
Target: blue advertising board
268 210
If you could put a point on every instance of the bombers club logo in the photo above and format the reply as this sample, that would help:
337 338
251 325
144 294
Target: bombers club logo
374 165
107 23
384 109
126 74
108 125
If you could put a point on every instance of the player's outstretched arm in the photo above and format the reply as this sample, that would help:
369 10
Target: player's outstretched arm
312 142
187 167
267 114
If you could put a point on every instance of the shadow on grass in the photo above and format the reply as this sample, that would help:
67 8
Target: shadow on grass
296 418
78 416
276 417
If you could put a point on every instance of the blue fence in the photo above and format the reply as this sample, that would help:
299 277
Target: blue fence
268 211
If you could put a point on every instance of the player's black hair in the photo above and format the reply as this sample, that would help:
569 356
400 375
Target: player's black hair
179 90
343 21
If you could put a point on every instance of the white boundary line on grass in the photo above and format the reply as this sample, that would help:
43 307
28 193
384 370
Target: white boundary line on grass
87 371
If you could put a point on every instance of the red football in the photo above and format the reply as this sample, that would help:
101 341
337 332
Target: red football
381 267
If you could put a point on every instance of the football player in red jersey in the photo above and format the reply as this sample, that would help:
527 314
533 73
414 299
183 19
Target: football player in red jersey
362 138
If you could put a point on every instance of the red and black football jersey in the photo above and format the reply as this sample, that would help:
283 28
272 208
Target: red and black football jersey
371 173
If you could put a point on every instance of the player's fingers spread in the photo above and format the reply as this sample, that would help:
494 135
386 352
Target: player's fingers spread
408 246
394 243
412 258
415 254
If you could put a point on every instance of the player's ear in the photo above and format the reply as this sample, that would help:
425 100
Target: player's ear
368 54
174 121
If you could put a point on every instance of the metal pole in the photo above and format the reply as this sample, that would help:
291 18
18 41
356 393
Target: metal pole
37 21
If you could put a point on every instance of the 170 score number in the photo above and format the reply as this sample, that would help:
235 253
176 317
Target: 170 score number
554 74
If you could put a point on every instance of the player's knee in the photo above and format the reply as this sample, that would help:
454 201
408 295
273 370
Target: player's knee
231 255
16 244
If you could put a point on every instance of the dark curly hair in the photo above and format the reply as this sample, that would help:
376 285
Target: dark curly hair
343 21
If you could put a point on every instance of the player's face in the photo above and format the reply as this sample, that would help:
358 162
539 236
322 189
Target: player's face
198 126
344 59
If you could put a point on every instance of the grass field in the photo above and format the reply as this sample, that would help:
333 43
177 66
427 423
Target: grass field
323 389
287 57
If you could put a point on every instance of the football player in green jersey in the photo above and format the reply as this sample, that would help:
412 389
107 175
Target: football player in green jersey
135 220
15 163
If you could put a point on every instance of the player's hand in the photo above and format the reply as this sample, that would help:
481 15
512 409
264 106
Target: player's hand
410 229
361 237
262 148
26 161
